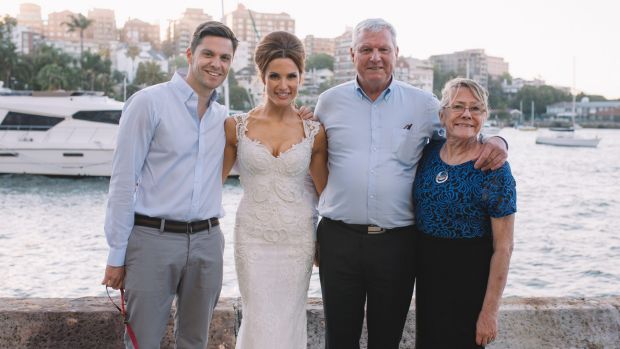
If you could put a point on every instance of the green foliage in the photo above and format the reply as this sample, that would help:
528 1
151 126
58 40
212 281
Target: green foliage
542 97
439 80
498 100
26 74
239 98
8 54
79 24
177 62
96 72
320 61
326 85
149 73
592 98
52 77
232 80
168 48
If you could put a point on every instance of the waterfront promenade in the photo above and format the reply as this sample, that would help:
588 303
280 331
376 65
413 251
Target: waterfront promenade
92 322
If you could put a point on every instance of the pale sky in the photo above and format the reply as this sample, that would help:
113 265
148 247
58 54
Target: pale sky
538 38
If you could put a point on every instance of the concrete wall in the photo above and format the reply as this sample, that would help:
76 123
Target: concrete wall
591 323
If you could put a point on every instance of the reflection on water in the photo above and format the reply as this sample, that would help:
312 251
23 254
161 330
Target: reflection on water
52 242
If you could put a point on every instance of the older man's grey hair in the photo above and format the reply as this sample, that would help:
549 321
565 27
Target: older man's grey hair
374 25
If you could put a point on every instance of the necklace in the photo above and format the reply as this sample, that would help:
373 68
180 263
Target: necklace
442 177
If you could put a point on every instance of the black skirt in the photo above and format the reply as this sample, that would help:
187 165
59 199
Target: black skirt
451 284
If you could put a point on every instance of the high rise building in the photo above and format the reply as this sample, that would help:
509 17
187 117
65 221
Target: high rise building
474 64
56 28
417 72
103 29
251 26
315 45
135 31
344 70
30 16
180 30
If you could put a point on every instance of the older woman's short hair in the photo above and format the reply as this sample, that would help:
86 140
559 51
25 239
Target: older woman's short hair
451 88
374 25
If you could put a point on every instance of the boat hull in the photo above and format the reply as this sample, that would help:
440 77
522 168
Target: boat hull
569 142
57 162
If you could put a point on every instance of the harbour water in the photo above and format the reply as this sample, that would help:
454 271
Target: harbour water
566 235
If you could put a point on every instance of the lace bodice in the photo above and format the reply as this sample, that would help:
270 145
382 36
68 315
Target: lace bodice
276 201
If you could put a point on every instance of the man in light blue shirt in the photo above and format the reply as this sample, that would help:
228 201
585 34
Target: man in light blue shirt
165 197
377 128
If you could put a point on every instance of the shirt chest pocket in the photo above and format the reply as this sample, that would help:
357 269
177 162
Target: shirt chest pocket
407 145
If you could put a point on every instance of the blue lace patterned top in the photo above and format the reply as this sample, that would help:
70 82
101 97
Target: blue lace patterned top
458 201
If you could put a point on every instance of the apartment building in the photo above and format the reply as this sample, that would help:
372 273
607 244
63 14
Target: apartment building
103 29
30 16
314 45
56 29
344 70
474 64
135 31
251 26
417 72
180 30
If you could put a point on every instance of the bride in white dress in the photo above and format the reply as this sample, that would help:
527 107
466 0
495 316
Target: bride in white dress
274 246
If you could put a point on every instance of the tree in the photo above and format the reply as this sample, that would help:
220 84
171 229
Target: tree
497 98
133 52
239 98
149 73
95 69
592 98
440 78
52 77
8 55
542 97
319 61
168 48
45 55
78 23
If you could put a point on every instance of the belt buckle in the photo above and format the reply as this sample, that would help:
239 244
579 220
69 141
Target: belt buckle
373 229
189 229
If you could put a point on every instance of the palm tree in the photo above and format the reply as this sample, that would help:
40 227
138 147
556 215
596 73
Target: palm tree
149 73
78 23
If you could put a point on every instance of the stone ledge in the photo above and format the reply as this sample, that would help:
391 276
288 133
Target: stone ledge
92 322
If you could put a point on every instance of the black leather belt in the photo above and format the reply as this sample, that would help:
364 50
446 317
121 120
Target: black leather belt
366 228
172 226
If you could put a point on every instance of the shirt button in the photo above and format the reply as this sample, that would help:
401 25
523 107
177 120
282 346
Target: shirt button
374 148
372 171
372 196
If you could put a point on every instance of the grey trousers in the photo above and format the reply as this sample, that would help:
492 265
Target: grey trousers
161 266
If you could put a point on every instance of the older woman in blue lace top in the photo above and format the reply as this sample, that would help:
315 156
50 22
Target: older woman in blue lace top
466 220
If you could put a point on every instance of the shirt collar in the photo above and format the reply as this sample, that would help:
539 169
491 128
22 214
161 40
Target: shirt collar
385 95
187 92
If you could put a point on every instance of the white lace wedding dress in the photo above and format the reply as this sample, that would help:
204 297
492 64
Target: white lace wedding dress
274 241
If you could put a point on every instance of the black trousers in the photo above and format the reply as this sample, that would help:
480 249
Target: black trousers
452 281
356 269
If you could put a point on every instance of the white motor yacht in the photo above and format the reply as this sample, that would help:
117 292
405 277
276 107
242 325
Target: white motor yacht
67 134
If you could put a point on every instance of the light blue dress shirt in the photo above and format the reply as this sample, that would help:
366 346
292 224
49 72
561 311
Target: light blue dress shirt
374 149
167 162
